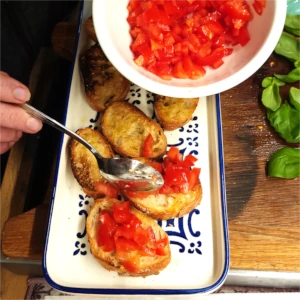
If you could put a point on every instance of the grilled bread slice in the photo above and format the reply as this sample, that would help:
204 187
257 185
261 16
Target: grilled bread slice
167 206
83 162
103 83
149 265
126 129
173 113
89 27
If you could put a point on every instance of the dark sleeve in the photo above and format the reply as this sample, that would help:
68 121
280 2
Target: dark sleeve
26 26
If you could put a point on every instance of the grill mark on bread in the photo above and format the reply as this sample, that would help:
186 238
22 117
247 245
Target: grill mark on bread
103 83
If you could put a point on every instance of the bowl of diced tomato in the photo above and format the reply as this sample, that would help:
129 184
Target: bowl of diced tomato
188 48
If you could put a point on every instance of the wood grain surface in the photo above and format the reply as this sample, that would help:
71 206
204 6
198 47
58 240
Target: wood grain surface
263 212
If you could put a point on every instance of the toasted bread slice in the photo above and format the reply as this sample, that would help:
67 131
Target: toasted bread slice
149 265
103 83
89 27
126 127
83 162
168 206
173 113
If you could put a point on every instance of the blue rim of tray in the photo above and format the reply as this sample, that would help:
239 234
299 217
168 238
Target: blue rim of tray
104 291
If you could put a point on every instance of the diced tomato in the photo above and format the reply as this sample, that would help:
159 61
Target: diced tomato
176 176
104 239
160 246
144 237
108 189
121 212
193 71
169 36
235 9
174 154
194 177
124 231
165 189
148 146
106 219
243 37
210 59
123 246
178 71
132 264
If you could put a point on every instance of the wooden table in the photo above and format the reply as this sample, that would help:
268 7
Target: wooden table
263 213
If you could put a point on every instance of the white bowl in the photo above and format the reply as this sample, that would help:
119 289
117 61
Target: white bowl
112 32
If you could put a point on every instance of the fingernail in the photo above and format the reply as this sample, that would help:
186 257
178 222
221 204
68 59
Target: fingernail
34 124
21 93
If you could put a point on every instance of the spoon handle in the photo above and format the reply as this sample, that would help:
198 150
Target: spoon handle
48 120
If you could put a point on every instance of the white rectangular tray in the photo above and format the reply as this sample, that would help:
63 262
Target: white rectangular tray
199 240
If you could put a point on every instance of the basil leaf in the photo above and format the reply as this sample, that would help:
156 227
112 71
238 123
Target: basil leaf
271 98
285 163
295 97
291 77
288 46
271 80
286 121
292 24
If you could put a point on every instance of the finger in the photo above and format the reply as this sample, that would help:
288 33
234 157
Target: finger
5 147
9 135
12 90
16 118
4 73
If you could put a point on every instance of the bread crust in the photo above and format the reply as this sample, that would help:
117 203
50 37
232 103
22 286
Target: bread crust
148 265
168 206
89 27
173 113
126 127
84 164
103 83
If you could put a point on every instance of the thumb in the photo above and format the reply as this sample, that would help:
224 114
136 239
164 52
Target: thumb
12 90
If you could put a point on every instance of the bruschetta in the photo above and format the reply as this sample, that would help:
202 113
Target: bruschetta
173 113
181 191
83 162
166 206
103 83
128 129
125 240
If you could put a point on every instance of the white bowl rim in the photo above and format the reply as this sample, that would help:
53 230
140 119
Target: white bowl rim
190 92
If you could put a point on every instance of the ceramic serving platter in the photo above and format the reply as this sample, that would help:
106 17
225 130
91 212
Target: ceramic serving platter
199 240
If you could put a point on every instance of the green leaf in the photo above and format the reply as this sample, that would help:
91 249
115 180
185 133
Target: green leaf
295 97
271 98
267 82
292 24
271 80
291 77
286 121
296 63
288 46
285 163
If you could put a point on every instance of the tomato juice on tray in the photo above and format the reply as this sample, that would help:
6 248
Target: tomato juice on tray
178 38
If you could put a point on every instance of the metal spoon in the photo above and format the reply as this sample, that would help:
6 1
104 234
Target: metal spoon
129 174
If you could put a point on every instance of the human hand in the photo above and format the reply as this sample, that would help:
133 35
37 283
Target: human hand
14 120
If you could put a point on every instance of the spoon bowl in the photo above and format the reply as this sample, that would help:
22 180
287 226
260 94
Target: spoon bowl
127 173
